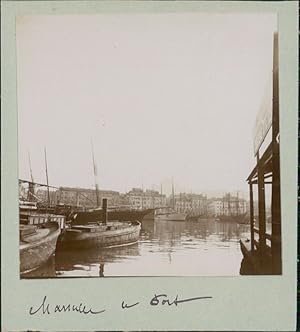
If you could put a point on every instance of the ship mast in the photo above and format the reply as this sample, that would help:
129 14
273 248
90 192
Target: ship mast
229 207
180 200
48 192
142 194
223 204
95 176
237 203
31 185
31 177
153 199
173 196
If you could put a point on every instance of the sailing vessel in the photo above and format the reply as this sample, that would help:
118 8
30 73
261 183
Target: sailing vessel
120 213
98 231
25 209
170 213
39 232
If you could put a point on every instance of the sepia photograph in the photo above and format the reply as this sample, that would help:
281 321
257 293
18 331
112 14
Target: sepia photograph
148 145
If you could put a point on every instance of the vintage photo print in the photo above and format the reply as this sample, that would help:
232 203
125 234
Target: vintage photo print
140 145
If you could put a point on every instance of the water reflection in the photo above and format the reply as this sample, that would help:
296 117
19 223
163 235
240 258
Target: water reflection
195 248
171 233
101 270
90 260
47 270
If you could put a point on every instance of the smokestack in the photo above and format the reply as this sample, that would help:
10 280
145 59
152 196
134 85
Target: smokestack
104 210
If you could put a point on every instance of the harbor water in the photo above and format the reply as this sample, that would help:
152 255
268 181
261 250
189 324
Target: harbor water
166 248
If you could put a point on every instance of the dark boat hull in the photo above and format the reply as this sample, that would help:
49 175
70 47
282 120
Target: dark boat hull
197 217
100 237
150 215
35 254
81 218
241 219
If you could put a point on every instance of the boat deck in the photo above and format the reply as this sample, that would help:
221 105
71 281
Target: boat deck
40 233
31 233
100 227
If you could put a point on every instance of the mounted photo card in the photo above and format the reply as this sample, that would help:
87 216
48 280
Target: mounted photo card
149 158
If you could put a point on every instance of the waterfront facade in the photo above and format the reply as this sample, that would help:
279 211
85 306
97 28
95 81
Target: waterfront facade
148 199
79 196
192 204
137 198
228 206
134 199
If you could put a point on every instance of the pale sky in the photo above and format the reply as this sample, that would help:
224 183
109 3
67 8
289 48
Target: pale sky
160 95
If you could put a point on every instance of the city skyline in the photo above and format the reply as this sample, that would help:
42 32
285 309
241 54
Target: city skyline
144 191
138 199
161 96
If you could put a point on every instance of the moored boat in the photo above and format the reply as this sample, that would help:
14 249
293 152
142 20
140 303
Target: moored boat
96 229
38 240
196 217
25 209
240 218
98 235
169 214
150 216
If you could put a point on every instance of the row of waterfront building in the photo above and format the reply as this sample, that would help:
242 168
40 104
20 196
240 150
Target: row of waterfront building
137 198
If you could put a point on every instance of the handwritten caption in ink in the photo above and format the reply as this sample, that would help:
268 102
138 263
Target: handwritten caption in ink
47 308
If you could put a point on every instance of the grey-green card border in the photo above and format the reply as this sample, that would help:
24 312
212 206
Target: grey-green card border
245 303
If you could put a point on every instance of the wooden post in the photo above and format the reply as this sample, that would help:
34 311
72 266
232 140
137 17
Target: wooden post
173 195
261 211
104 210
251 216
276 201
31 196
